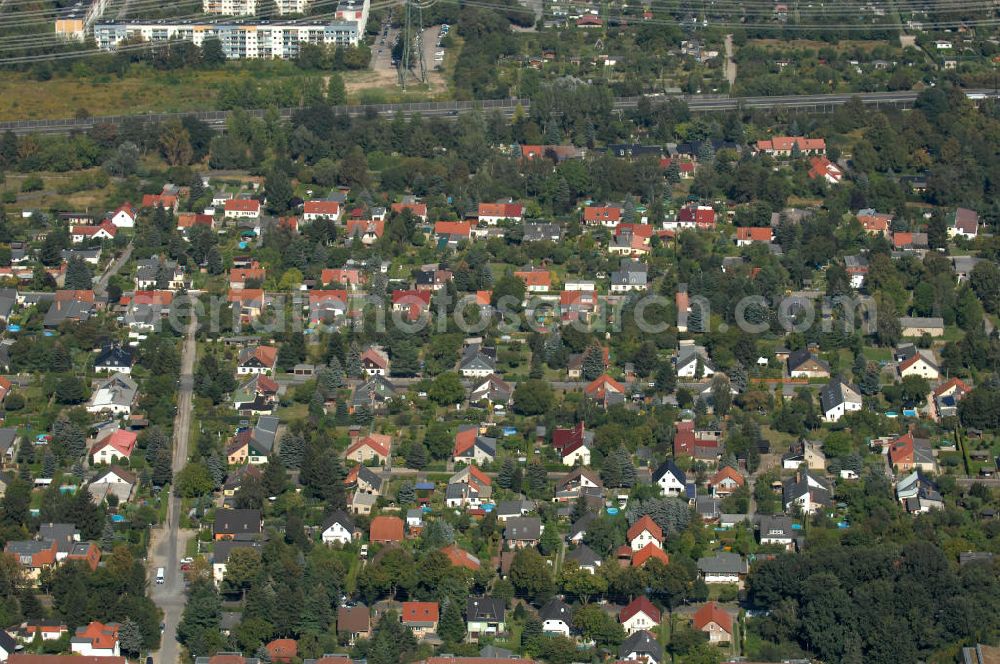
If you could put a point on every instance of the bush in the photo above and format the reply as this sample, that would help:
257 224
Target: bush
32 183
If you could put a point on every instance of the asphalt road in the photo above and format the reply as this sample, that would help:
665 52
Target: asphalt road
168 543
101 285
696 103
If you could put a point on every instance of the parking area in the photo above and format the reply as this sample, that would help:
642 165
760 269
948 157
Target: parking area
431 41
382 48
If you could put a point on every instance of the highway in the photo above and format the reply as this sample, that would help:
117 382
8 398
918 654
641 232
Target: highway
169 541
696 103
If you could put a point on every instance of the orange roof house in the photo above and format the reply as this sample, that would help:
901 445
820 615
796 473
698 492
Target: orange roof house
100 636
346 276
386 529
449 228
119 444
372 446
535 279
416 209
602 386
648 552
605 215
461 558
316 209
421 617
726 481
239 276
746 235
786 144
489 211
713 619
283 651
645 524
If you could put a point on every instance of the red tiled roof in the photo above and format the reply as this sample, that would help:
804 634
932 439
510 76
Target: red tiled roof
461 557
643 524
712 613
419 612
643 555
418 209
603 384
319 296
101 636
122 441
729 472
283 650
786 143
191 219
953 383
901 450
602 213
502 210
240 275
31 658
465 439
379 443
326 208
642 604
534 277
754 234
246 295
452 228
242 205
702 215
386 529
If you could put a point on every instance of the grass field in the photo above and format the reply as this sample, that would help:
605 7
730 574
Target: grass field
145 90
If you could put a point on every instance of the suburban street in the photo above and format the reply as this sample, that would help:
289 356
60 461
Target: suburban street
169 540
101 285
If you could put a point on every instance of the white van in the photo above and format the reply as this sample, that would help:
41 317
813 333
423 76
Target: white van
159 576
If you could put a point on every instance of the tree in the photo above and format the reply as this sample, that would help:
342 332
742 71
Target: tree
531 576
130 639
198 629
243 568
537 479
722 397
533 397
79 275
279 191
70 390
194 481
593 362
452 625
175 143
597 625
446 389
550 542
291 450
406 494
506 475
212 54
416 456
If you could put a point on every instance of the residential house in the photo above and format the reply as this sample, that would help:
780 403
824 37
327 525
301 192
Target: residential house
221 552
573 444
484 616
115 395
946 397
670 479
691 360
364 479
247 277
805 452
248 304
374 446
69 306
641 646
908 453
386 530
805 364
124 216
777 530
963 223
32 556
471 447
257 395
354 621
536 280
908 241
479 480
919 493
579 482
104 231
745 236
477 361
96 640
413 303
9 441
723 567
188 220
233 524
644 532
726 481
282 651
338 529
714 621
158 273
810 491
823 168
540 232
375 361
788 146
492 213
585 558
494 390
639 615
857 270
875 223
557 617
694 217
115 480
838 398
461 494
461 558
644 555
921 364
631 276
114 358
448 234
608 216
362 503
508 509
257 360
7 645
319 209
115 446
916 326
522 531
702 444
577 305
241 208
420 617
253 446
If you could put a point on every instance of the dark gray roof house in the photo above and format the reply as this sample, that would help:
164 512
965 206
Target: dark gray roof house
523 529
484 609
113 358
584 556
641 644
539 232
236 523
